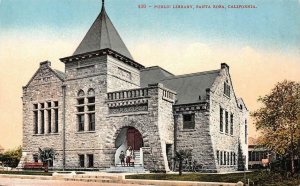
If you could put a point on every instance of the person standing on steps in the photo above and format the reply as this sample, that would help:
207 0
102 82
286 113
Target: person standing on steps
128 156
122 158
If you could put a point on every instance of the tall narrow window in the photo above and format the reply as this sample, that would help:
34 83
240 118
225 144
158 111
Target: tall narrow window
234 159
226 122
42 122
228 158
49 120
221 158
188 121
81 160
91 121
56 120
36 124
218 158
91 160
246 132
227 88
221 120
231 124
80 122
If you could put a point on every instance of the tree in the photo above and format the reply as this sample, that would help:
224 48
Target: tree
12 157
180 156
46 155
279 120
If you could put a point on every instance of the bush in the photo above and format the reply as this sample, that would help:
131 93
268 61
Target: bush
11 158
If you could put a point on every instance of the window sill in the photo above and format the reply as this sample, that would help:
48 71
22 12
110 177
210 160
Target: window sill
47 134
85 132
187 130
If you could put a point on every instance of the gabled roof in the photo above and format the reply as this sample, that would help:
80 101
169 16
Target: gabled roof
191 87
47 64
154 74
101 35
188 87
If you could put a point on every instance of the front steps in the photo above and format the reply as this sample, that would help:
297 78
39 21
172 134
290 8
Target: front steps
119 169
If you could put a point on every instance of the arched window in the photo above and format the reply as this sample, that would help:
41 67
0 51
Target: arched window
80 93
91 92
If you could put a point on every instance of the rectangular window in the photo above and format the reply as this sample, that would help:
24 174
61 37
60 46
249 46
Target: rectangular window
234 159
36 120
80 101
49 120
218 158
221 158
246 132
56 120
225 158
42 105
91 100
35 106
80 109
56 103
231 124
91 160
226 89
81 122
188 121
226 122
91 108
92 122
221 120
49 104
81 160
228 159
42 122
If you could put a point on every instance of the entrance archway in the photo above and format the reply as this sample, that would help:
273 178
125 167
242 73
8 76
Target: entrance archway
128 136
134 138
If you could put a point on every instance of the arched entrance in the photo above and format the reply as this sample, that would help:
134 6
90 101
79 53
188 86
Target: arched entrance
134 138
128 136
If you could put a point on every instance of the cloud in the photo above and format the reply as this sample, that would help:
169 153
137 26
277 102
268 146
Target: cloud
254 72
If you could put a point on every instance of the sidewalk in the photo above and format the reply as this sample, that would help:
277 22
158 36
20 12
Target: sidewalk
116 178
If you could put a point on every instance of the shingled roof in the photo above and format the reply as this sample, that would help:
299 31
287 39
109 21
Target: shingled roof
154 74
101 35
189 87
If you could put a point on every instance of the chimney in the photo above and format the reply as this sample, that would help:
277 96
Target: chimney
224 65
45 64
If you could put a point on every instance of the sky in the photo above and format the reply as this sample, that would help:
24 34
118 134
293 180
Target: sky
261 45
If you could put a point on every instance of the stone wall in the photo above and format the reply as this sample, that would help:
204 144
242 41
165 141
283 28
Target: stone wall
121 76
43 88
198 139
222 141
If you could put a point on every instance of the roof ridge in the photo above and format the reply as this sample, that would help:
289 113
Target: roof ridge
156 66
192 74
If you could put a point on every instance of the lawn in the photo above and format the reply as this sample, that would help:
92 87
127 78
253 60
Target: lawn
258 178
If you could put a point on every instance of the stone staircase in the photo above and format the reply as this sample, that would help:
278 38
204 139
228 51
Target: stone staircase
137 168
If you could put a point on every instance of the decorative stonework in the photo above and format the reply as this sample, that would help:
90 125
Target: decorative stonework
86 70
191 107
128 109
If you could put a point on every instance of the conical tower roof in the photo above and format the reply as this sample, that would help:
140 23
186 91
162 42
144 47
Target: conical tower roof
101 35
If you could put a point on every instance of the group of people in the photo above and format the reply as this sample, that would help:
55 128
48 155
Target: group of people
129 157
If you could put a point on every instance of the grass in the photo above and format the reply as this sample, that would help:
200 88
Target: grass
258 178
